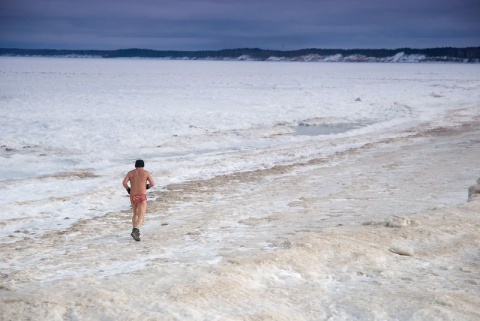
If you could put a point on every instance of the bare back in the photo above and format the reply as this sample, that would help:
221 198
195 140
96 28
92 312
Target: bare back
138 181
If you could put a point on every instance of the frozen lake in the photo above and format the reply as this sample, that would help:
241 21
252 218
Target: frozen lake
251 159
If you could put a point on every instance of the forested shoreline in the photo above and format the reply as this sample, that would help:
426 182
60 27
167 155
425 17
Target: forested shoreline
446 54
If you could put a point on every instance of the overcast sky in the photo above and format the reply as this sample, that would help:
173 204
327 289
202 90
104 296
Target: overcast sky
220 24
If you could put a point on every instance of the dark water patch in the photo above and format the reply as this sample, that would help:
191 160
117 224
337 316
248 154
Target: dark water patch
330 129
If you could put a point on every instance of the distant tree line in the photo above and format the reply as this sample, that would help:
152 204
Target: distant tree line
469 54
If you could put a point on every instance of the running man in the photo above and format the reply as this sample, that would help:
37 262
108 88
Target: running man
140 181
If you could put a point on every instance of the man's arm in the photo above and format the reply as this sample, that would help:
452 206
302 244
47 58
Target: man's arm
125 182
151 182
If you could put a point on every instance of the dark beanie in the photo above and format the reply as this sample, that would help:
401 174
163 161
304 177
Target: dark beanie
139 163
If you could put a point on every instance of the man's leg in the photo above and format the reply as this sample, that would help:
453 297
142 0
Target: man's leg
139 214
137 218
134 217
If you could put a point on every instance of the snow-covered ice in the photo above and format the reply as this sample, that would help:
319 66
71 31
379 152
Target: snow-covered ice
286 191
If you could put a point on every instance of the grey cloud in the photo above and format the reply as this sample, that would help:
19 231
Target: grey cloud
217 24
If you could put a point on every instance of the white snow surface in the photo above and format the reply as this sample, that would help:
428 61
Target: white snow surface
250 219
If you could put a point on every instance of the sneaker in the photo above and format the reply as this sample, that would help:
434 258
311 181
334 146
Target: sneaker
135 234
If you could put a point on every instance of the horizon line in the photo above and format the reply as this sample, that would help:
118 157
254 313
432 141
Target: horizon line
243 48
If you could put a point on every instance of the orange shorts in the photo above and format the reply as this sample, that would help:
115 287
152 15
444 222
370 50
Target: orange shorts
138 198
